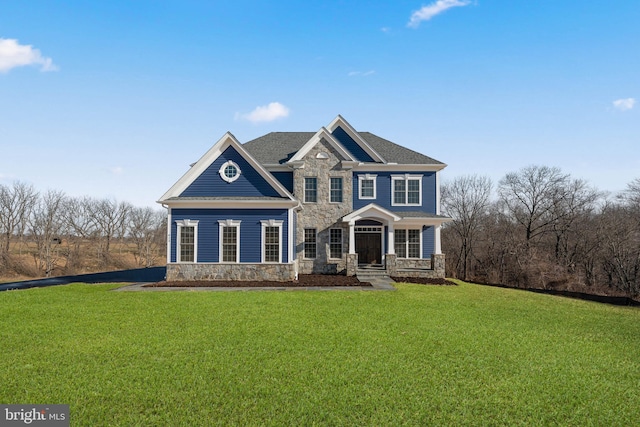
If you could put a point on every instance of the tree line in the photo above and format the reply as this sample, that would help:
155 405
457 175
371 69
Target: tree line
50 233
542 228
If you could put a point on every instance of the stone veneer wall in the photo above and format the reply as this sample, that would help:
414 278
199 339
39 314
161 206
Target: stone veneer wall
239 272
434 268
323 215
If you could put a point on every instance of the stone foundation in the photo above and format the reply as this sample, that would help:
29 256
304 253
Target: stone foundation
431 269
237 272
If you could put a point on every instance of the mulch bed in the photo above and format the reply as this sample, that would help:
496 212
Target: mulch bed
422 281
304 280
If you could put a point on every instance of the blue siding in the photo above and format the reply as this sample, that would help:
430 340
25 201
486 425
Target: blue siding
383 192
210 184
285 178
250 231
428 241
348 143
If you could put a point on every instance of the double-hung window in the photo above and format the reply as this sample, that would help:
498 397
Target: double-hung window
336 190
335 243
229 240
367 186
407 243
187 242
271 241
406 190
310 242
310 189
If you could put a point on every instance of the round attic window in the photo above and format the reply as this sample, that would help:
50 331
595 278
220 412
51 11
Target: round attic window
229 171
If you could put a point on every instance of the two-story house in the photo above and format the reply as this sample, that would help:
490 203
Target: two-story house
290 203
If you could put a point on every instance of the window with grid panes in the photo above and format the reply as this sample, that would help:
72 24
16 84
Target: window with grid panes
230 244
400 237
187 244
336 190
310 241
335 243
310 189
272 244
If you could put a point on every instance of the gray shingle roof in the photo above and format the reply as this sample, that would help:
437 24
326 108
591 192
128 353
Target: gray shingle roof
278 147
223 198
394 153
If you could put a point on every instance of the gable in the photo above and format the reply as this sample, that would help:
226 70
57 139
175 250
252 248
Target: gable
211 184
352 146
205 179
324 137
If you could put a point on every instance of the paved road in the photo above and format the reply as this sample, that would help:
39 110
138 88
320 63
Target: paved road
137 275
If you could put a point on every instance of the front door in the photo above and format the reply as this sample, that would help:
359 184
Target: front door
369 248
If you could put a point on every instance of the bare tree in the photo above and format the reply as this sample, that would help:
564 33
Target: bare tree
531 195
621 248
16 203
79 228
147 229
577 200
109 218
466 199
45 225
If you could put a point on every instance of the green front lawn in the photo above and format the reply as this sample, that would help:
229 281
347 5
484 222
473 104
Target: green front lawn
423 355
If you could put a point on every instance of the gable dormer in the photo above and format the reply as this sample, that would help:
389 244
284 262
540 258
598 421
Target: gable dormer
341 153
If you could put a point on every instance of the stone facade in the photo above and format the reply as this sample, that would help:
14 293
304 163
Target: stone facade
242 272
432 269
323 162
352 264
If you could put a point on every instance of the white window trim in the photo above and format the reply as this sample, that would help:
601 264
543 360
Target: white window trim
341 243
367 177
221 225
341 189
304 189
406 178
271 223
406 242
304 242
187 223
224 166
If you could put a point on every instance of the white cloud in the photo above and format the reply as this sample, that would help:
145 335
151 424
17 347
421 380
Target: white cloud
265 113
427 12
117 170
13 54
361 73
624 104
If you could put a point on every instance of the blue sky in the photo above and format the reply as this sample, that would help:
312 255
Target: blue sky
116 99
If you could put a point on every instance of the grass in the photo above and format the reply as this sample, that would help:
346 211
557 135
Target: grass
424 355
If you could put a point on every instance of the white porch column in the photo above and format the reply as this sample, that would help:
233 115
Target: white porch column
352 237
390 239
437 248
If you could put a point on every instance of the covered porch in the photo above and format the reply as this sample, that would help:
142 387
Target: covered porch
394 243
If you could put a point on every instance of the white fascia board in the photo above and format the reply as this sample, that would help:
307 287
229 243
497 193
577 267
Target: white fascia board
322 133
231 204
210 156
422 221
377 167
341 122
